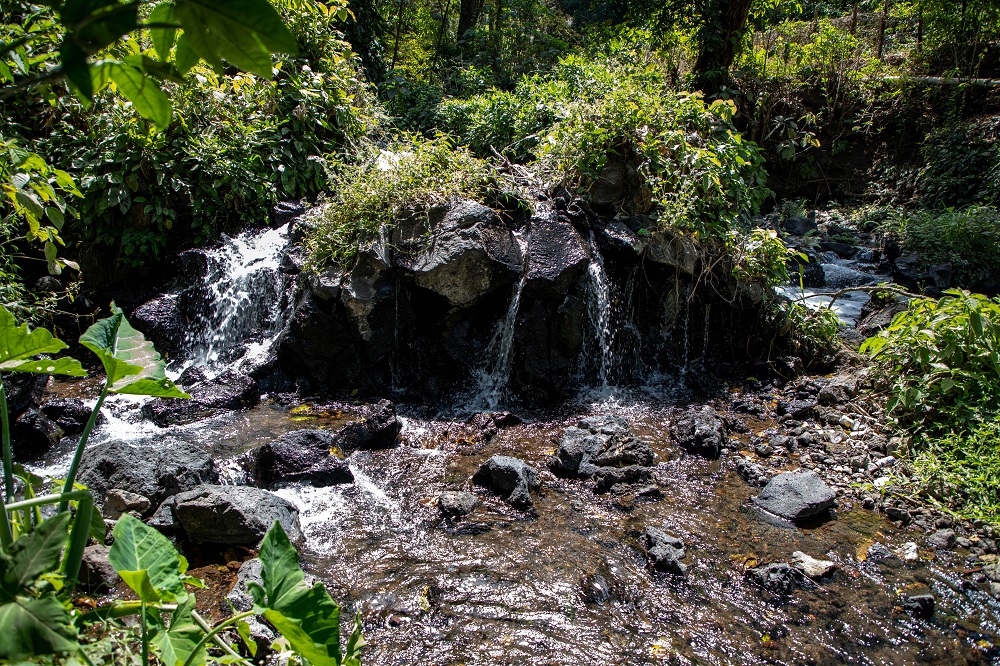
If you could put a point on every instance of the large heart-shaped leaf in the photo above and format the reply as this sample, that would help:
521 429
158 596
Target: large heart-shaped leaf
33 555
131 362
19 344
180 640
306 616
147 562
34 627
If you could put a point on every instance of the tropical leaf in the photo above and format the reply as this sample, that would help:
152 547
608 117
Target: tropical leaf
163 38
34 627
18 344
131 362
179 641
147 562
32 555
307 617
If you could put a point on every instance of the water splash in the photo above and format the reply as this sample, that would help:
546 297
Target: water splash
494 382
598 317
246 297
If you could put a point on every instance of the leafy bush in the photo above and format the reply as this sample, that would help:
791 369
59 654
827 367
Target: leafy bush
760 256
939 361
409 176
961 470
961 164
807 332
967 239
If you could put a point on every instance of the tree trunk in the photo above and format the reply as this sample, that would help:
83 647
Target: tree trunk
854 19
720 36
881 30
468 16
920 27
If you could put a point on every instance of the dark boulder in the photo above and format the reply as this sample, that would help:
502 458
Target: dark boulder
673 250
510 478
155 471
796 495
920 605
23 390
470 255
209 397
233 515
302 455
454 503
162 322
378 427
70 414
32 435
700 430
607 477
576 448
96 572
665 552
799 226
842 250
810 272
777 577
285 211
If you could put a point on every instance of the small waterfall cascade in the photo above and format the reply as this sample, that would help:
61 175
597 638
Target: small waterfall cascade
494 378
246 297
598 346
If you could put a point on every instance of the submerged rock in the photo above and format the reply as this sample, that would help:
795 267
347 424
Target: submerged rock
510 478
608 477
777 577
700 430
665 552
311 456
796 495
237 515
153 471
920 605
454 504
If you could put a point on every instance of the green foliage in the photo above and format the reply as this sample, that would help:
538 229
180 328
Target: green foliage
131 363
961 164
305 615
147 562
760 256
939 361
19 344
967 239
960 469
408 177
811 332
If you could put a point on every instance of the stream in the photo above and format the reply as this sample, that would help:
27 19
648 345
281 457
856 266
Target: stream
566 582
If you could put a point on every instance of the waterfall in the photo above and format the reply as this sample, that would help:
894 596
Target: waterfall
598 316
246 298
495 378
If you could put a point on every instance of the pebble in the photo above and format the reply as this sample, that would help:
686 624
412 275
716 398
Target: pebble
908 552
810 566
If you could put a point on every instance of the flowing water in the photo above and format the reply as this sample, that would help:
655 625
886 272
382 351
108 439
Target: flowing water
596 350
567 582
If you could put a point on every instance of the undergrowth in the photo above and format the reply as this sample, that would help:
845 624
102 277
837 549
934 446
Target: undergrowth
410 176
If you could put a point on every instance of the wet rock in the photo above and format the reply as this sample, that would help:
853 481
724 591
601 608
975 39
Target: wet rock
209 397
240 600
510 478
155 471
873 320
309 456
47 284
378 427
908 552
617 237
163 518
665 552
879 551
490 423
810 272
673 250
237 515
470 255
595 589
162 322
796 495
325 285
454 504
799 226
607 477
23 390
700 430
96 572
70 414
576 448
118 502
799 410
920 605
33 434
777 577
810 566
842 250
284 212
942 539
751 472
605 425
